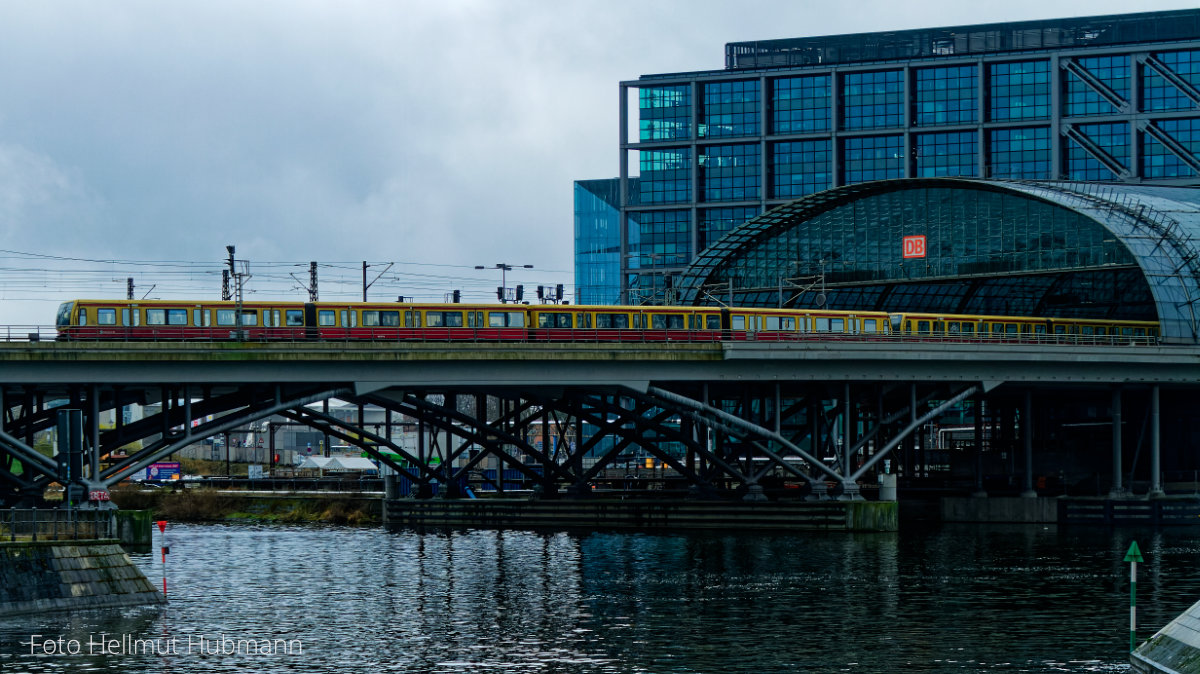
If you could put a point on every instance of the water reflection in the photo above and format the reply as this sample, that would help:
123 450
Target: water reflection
952 599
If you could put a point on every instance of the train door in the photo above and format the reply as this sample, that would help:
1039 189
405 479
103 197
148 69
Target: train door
310 321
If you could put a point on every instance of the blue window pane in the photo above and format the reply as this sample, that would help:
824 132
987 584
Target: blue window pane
730 172
1158 93
801 167
1082 99
1111 139
947 154
872 158
873 100
666 176
1020 153
800 104
597 242
730 109
659 239
1158 161
716 222
1019 90
946 96
665 113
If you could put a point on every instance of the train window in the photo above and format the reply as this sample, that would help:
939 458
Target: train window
371 319
439 319
923 327
737 322
1060 329
391 319
870 325
224 317
177 317
712 322
908 326
583 320
968 328
1101 330
412 319
82 316
1088 330
271 318
156 317
126 315
506 319
326 318
474 319
639 321
1039 329
349 319
614 321
780 323
554 319
953 327
1010 328
837 325
249 317
294 318
939 327
666 322
1024 328
1139 332
106 317
997 328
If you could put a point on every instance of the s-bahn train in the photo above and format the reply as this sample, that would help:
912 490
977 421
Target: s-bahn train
225 320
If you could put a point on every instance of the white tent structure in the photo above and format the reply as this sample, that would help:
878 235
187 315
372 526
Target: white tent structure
338 464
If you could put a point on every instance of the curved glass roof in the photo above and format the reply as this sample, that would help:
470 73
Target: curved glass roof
990 246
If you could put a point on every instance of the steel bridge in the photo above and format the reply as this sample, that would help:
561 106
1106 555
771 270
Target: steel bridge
727 417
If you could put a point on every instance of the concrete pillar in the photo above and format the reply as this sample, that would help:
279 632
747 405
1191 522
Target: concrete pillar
1156 489
1118 490
979 490
1027 438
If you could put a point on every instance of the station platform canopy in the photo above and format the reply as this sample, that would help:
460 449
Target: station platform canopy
968 246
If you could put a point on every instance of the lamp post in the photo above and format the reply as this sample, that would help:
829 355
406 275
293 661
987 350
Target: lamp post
504 269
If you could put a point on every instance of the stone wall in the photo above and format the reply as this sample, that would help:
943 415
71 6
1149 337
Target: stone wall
54 575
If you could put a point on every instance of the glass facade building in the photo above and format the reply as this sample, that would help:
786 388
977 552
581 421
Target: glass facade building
1107 99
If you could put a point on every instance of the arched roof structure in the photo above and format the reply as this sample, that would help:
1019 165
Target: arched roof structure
990 247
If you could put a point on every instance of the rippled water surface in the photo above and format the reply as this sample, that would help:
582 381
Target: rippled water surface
952 599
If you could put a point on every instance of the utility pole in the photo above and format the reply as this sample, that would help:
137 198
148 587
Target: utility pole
368 285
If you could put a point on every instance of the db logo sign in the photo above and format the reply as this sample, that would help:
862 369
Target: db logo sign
914 246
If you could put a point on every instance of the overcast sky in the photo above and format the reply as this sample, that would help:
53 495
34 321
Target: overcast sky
436 135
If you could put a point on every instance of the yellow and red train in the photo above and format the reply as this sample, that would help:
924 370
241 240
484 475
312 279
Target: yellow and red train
258 320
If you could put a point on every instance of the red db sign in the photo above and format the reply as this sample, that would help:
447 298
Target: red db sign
914 246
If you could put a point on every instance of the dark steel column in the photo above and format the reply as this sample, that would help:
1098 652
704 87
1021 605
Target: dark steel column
1156 489
1027 438
979 490
1118 489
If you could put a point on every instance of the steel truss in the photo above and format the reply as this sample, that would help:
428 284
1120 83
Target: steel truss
718 440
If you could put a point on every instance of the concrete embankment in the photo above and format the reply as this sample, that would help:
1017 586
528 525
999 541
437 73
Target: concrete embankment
55 575
645 514
1174 649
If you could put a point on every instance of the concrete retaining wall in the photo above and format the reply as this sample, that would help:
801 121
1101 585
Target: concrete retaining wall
50 576
645 514
1037 510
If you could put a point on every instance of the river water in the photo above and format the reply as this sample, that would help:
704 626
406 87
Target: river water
340 599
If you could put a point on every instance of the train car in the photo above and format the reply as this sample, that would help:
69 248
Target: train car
261 320
1020 328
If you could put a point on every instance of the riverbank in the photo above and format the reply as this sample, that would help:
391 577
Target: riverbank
213 505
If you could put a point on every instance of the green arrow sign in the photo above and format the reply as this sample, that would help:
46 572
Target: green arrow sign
1134 554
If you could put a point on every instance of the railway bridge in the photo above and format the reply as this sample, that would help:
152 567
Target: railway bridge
732 419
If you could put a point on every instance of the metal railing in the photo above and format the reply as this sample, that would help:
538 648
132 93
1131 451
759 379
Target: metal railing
55 524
